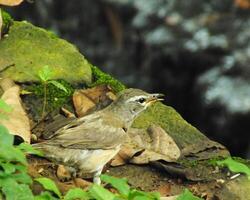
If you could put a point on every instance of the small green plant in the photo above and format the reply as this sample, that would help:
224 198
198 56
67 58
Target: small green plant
187 195
97 192
234 166
14 180
45 75
4 108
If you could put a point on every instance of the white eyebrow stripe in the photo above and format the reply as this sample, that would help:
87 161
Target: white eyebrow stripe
136 98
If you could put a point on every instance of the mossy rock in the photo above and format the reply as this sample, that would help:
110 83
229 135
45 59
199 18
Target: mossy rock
100 78
28 48
171 121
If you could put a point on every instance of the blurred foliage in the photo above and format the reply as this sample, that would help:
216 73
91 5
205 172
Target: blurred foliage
7 21
234 166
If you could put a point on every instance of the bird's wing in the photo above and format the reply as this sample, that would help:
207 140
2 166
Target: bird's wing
58 122
93 132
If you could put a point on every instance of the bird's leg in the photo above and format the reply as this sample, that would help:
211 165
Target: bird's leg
97 174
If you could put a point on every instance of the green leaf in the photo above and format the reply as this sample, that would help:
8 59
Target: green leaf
142 198
10 153
118 183
235 166
5 137
187 195
76 193
45 73
135 194
48 184
58 85
27 148
4 106
100 193
45 196
12 190
22 178
8 168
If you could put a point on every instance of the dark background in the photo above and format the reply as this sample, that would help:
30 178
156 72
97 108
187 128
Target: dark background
196 52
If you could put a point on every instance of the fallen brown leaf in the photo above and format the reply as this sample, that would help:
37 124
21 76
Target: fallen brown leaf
62 173
144 146
18 121
10 2
88 100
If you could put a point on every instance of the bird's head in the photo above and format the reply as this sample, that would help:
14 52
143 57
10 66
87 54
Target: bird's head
134 101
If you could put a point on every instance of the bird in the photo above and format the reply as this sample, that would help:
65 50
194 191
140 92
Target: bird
88 143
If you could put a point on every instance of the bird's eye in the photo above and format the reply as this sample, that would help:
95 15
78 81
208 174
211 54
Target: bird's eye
141 100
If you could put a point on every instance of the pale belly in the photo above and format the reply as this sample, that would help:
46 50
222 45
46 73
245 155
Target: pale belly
84 161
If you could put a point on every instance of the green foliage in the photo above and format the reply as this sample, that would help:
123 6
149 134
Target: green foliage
55 97
46 74
100 193
76 193
187 195
49 185
54 92
4 108
14 180
97 192
234 166
99 78
7 21
119 184
125 192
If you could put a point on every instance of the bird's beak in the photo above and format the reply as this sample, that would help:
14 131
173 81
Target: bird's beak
154 98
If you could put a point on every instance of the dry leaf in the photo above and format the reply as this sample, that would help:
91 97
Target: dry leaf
244 4
88 100
147 146
161 147
124 155
10 2
62 173
18 121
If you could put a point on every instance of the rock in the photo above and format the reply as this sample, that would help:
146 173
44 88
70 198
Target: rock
28 48
194 145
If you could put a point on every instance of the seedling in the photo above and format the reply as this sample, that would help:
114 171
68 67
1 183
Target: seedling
45 75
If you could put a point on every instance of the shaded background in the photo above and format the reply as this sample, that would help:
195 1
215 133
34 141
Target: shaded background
196 52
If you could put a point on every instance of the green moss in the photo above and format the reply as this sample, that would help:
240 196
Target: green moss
28 48
188 163
7 21
99 77
213 161
55 96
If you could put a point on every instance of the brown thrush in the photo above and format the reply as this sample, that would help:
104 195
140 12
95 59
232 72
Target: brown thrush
88 143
